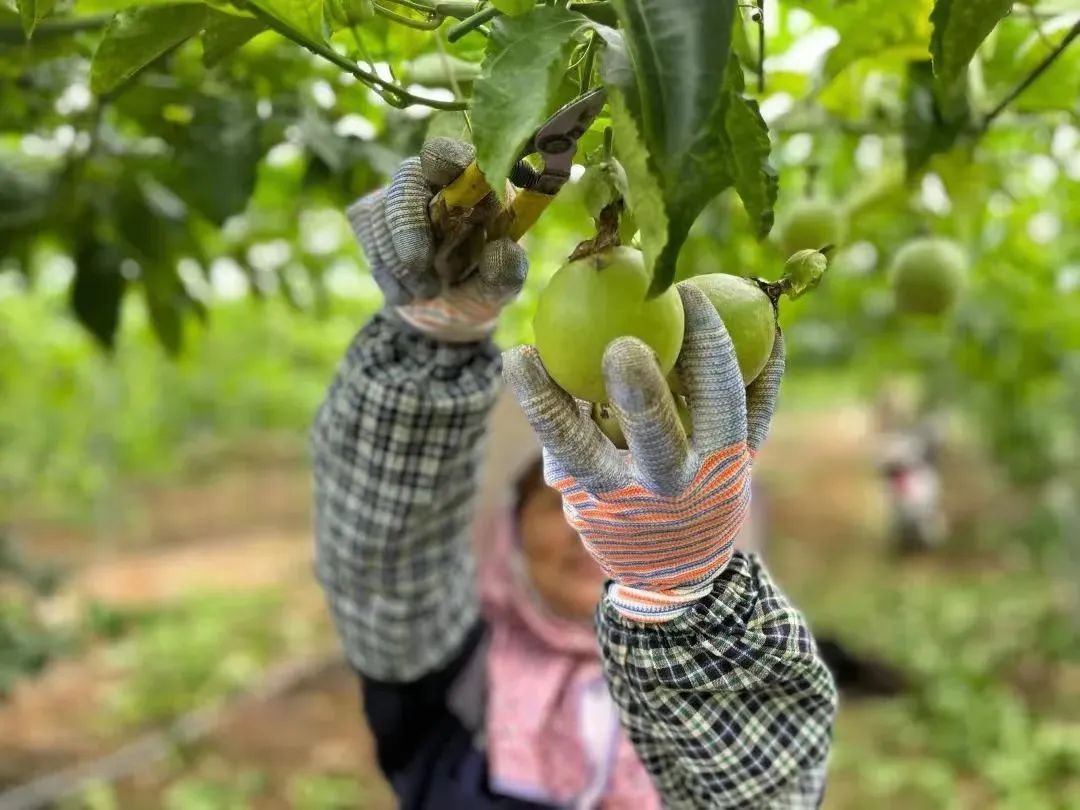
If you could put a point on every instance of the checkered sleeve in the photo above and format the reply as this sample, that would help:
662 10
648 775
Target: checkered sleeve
728 705
397 445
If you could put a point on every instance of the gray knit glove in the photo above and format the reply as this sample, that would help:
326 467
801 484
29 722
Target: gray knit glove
661 521
394 230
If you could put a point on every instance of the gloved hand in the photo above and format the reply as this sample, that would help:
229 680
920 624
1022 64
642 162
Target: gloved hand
394 230
660 520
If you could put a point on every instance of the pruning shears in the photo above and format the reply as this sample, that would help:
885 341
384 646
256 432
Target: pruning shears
463 225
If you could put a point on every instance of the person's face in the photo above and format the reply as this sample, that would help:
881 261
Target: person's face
563 573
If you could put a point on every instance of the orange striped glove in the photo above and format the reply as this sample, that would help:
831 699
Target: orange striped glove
662 518
394 230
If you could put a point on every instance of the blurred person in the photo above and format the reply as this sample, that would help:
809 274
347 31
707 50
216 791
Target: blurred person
614 651
909 450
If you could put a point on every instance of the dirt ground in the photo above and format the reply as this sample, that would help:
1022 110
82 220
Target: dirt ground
238 530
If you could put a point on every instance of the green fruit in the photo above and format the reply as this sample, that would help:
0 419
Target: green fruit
592 301
928 275
748 315
358 11
605 419
804 271
811 224
439 70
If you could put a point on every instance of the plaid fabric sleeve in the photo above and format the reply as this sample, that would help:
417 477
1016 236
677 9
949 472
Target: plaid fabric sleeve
397 444
728 705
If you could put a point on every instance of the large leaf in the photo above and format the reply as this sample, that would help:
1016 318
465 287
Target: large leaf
225 33
513 7
31 12
217 155
644 195
754 177
934 116
960 26
98 290
137 36
303 16
516 91
677 55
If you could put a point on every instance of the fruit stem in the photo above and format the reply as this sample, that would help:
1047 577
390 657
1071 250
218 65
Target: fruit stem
607 232
774 289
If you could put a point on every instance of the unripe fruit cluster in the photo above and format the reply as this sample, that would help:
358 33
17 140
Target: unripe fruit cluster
594 300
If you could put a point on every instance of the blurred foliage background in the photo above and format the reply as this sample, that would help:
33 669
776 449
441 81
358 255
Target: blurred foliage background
177 282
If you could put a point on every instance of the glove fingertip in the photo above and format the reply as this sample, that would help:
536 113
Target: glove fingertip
504 266
522 371
632 374
443 159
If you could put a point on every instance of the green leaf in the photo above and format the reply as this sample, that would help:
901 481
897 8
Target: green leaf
224 34
678 55
136 37
960 26
644 197
165 301
98 290
934 116
31 12
217 155
521 76
513 7
303 16
754 177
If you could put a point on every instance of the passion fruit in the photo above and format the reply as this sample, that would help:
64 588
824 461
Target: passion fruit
811 224
590 302
928 274
748 315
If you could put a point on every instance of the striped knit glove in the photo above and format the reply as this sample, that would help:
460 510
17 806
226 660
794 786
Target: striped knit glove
394 230
660 520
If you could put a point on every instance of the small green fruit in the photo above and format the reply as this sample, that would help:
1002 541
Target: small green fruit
605 419
748 315
358 11
804 271
592 301
439 70
811 224
928 275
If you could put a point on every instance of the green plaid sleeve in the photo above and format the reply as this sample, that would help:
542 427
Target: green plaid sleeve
397 444
728 705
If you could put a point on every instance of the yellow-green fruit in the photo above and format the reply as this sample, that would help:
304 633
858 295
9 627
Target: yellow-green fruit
592 301
928 275
748 315
811 224
605 419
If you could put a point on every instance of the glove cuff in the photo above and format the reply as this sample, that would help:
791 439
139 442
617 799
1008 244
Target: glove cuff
444 321
657 607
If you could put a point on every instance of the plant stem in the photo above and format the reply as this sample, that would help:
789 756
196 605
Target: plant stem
471 23
55 27
1029 80
349 66
421 25
601 12
761 48
425 8
457 10
590 62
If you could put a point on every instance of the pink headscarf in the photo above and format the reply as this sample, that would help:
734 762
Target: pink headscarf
553 730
